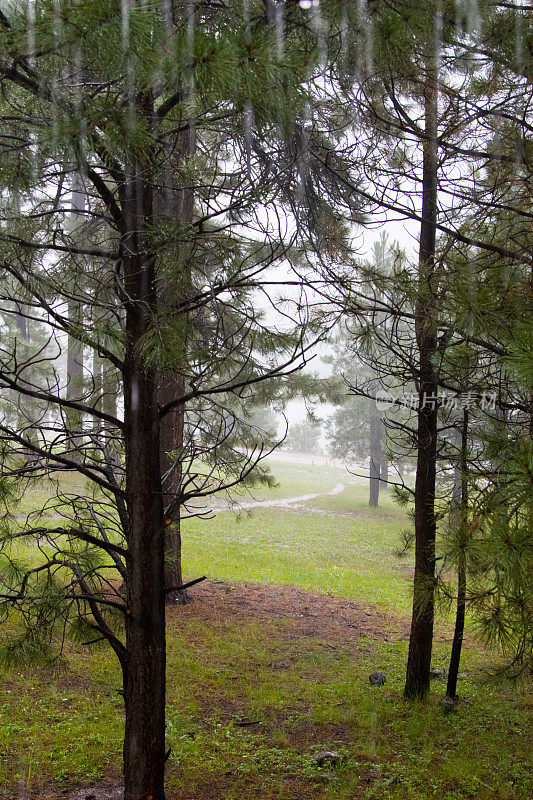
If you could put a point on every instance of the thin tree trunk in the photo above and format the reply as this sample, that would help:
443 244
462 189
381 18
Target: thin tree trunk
110 394
375 461
384 469
97 377
171 440
455 657
74 389
421 640
22 350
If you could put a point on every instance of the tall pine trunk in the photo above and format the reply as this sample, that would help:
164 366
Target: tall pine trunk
144 671
421 640
144 685
462 519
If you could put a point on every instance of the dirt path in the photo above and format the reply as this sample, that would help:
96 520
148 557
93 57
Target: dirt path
285 502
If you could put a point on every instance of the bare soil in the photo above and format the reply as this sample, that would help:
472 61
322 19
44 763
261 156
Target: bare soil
325 616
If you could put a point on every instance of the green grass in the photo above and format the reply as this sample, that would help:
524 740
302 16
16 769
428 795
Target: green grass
342 546
65 729
61 726
351 558
299 479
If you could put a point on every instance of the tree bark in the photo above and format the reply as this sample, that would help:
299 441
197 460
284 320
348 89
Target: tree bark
455 657
144 671
421 640
144 685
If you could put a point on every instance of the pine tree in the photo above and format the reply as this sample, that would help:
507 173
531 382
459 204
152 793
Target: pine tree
423 138
99 92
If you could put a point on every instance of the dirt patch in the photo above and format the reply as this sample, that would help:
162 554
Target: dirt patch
109 788
106 791
332 619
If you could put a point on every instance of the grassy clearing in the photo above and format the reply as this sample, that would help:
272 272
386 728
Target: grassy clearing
351 558
295 479
67 730
61 727
332 543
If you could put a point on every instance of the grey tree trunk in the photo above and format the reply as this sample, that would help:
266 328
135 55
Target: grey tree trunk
74 389
97 378
23 340
110 394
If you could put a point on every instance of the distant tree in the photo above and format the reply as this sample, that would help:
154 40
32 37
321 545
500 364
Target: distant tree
356 430
304 437
264 421
365 369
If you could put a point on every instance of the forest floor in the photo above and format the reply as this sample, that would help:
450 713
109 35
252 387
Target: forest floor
262 678
270 665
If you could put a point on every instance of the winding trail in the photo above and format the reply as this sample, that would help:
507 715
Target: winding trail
285 502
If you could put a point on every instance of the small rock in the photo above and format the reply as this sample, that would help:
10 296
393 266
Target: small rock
372 774
377 678
279 665
327 757
439 674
